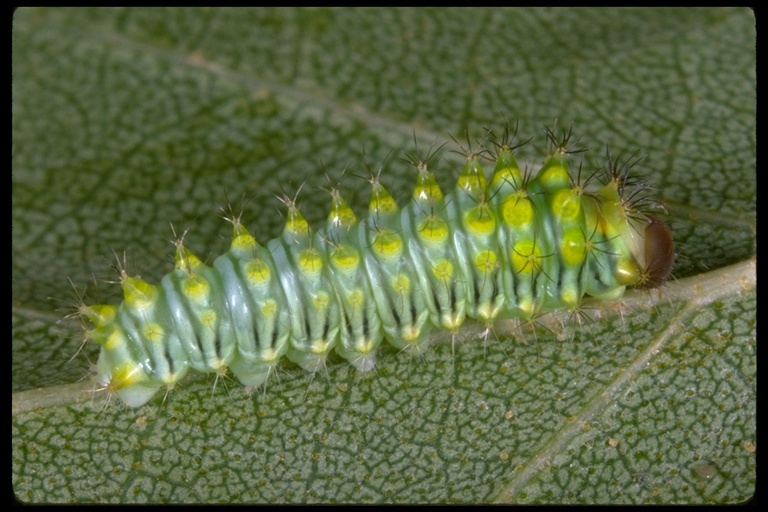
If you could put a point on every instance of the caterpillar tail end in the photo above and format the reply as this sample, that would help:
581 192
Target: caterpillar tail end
127 381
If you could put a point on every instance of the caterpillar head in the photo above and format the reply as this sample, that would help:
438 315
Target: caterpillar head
652 250
659 254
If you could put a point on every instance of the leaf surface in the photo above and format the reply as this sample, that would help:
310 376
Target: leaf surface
128 121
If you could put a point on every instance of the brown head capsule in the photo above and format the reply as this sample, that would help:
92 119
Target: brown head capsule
659 253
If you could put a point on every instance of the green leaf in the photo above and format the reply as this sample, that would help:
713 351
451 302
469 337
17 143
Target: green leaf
126 121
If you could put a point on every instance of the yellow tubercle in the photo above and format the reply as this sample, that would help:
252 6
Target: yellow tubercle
139 294
402 284
381 201
506 171
111 340
612 210
258 272
486 261
125 375
526 305
566 205
411 334
452 321
356 297
269 355
443 270
296 224
628 273
387 244
480 220
570 297
555 175
319 347
269 308
242 240
341 214
572 248
345 258
365 347
507 176
310 262
426 188
526 257
321 301
100 314
518 212
433 230
185 260
209 318
472 179
196 288
154 332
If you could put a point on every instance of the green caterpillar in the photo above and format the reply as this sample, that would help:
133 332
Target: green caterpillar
515 247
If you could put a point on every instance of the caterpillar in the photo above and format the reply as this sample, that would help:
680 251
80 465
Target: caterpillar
515 245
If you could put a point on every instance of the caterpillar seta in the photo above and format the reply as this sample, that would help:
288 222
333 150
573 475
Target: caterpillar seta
513 246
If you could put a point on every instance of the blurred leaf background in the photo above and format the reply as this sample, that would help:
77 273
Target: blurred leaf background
128 121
